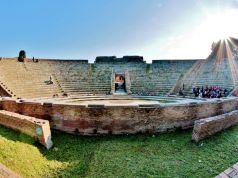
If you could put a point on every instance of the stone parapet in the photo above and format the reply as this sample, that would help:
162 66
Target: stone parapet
206 127
37 128
91 119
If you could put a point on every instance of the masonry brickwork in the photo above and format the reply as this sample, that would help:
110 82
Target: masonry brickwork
36 128
100 119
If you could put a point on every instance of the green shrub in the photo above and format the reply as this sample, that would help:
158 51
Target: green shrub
22 56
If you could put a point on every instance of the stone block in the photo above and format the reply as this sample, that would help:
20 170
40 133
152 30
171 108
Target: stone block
209 126
37 128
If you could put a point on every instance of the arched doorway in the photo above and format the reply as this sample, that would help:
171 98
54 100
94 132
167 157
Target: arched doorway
120 83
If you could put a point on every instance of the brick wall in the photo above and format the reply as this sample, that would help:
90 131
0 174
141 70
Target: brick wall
102 119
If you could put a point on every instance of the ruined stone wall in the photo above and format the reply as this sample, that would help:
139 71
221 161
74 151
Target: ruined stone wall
100 119
206 127
37 128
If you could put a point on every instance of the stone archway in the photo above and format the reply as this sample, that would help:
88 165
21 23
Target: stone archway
120 83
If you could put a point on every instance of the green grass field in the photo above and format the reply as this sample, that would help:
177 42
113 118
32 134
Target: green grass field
164 155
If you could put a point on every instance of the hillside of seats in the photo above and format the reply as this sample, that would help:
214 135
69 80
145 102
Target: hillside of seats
78 77
25 80
29 79
165 73
209 72
219 69
81 77
157 78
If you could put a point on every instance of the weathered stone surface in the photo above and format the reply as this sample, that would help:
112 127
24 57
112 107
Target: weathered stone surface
37 128
206 127
78 77
95 119
128 82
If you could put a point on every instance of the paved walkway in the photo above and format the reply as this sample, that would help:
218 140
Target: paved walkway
7 173
231 172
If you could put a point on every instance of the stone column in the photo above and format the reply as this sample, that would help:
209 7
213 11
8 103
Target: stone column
113 82
127 82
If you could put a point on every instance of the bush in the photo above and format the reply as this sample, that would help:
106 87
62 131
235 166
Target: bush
22 56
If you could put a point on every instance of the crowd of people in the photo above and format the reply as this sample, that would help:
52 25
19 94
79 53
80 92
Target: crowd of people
209 92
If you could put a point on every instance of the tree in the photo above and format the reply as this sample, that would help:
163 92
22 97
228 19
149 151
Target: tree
22 56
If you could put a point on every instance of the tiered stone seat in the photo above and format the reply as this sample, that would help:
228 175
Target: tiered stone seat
209 72
159 77
82 78
26 80
78 77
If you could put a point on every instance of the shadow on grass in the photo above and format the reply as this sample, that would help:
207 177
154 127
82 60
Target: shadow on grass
83 156
74 152
77 151
16 136
107 155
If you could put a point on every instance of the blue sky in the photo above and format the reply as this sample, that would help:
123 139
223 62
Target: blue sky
84 29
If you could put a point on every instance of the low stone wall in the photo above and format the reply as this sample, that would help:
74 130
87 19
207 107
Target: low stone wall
37 128
206 127
101 119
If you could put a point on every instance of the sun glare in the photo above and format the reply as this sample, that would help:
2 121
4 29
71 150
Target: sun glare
222 25
196 42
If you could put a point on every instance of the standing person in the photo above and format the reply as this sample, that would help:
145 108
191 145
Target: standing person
198 91
194 91
50 81
225 92
200 95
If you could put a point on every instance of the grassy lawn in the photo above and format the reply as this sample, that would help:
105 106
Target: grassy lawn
164 155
